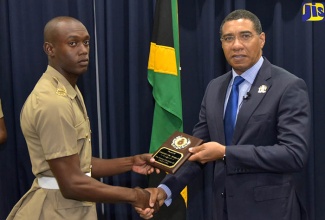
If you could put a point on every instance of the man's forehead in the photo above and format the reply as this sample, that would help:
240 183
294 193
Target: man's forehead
239 25
77 35
241 21
72 30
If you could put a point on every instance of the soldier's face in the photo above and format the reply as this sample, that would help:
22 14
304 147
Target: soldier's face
71 48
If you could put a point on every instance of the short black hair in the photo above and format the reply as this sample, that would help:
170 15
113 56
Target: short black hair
244 14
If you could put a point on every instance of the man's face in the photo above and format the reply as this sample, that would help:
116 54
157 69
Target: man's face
71 48
241 44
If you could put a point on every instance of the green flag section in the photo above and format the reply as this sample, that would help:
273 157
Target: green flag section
164 73
164 77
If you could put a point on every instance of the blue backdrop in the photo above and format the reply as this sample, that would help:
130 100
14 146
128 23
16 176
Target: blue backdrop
116 90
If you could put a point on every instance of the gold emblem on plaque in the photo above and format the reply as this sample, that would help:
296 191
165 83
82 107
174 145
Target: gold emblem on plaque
180 142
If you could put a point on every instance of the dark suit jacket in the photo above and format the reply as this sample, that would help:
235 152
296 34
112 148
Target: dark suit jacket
270 143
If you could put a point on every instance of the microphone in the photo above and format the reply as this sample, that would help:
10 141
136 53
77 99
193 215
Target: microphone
246 97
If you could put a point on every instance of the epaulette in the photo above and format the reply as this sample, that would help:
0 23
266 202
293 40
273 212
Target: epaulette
61 91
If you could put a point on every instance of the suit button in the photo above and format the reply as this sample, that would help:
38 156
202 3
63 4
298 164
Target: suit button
222 195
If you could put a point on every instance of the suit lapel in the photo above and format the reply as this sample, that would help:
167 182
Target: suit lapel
258 91
219 106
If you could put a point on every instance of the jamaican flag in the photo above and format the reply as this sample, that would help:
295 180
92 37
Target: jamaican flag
165 79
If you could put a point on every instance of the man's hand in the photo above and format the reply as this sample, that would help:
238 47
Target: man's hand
141 199
207 152
142 164
157 199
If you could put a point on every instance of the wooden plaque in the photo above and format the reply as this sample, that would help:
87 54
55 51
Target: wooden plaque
174 151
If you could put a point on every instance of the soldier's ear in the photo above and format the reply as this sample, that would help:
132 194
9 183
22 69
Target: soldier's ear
48 48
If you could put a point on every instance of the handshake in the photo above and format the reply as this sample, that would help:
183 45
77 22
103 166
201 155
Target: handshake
148 201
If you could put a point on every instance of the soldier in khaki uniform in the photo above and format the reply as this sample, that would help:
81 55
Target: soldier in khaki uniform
3 130
56 127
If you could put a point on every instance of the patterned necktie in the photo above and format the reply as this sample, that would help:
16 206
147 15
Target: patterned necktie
231 110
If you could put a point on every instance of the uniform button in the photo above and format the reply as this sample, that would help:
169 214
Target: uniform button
222 195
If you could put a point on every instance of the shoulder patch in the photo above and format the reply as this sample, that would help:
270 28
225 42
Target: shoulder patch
61 92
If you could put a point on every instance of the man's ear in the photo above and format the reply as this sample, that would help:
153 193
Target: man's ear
262 39
48 48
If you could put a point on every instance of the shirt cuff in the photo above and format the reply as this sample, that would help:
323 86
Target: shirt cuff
169 200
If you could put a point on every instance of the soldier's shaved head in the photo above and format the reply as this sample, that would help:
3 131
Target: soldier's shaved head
52 28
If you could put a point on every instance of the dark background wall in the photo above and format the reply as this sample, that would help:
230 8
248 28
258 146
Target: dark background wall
116 90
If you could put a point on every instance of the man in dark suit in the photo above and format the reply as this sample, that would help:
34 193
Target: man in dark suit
254 160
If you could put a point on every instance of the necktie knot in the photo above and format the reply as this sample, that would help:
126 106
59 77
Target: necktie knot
237 81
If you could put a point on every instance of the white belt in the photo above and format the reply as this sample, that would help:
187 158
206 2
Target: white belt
50 182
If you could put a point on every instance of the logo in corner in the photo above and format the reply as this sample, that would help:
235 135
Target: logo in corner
313 11
180 142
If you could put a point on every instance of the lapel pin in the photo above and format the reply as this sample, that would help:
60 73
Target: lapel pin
262 89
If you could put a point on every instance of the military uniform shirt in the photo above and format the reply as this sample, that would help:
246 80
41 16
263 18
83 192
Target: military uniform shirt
55 124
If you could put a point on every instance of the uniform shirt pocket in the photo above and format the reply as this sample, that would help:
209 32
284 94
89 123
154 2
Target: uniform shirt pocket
83 133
